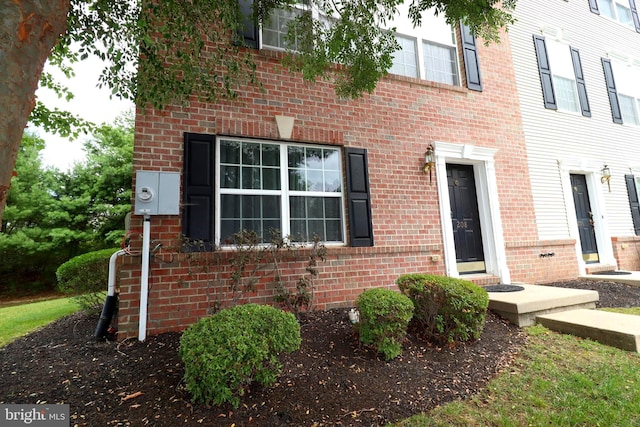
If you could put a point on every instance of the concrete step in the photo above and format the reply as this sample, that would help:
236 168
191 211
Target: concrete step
614 329
522 307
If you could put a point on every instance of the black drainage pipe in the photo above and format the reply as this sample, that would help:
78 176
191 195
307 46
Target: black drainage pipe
108 309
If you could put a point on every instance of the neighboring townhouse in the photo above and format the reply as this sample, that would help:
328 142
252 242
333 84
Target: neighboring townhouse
577 66
297 158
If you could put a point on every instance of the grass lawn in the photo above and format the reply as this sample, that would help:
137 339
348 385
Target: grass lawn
19 320
557 380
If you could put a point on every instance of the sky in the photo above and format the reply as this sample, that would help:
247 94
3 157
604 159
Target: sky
90 103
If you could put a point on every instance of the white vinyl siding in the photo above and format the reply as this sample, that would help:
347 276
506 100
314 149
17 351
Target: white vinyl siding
552 137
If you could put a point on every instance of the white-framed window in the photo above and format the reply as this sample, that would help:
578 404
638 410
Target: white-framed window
626 79
274 29
436 59
564 77
617 10
405 60
295 189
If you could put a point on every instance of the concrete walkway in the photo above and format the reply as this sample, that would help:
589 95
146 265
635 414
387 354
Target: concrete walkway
570 311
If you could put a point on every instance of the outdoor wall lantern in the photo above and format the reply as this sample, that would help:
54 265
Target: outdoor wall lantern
429 161
606 176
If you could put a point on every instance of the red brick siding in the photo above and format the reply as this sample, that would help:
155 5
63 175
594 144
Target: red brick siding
394 124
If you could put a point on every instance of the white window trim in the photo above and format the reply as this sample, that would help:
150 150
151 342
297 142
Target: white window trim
284 191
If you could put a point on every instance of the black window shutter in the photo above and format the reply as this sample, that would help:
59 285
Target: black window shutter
611 89
544 68
634 14
471 62
582 88
198 188
634 203
358 198
250 33
593 5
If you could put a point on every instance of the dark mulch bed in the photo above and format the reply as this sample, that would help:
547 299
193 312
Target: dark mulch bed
331 380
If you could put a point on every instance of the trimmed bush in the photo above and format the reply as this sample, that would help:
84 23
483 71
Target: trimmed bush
447 310
86 277
384 318
224 353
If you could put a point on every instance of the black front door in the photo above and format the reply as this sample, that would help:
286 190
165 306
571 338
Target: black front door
585 218
465 219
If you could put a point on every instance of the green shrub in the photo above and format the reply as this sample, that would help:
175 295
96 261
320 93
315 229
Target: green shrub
446 309
224 353
384 318
86 277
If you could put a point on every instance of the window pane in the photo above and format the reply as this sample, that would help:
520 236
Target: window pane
229 176
296 180
332 182
440 63
331 160
228 229
271 207
314 158
270 155
230 206
230 152
270 179
332 208
297 208
298 230
250 153
624 15
405 61
315 207
566 93
315 180
606 8
316 229
334 231
250 178
296 157
628 108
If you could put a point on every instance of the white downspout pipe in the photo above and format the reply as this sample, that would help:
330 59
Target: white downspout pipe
111 284
144 278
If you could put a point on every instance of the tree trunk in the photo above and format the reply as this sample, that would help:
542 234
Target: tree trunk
28 31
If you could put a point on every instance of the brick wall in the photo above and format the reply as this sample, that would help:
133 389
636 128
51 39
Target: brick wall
394 124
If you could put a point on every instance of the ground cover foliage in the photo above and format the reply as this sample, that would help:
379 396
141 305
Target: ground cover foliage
331 380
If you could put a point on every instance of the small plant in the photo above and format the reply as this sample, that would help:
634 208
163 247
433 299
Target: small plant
224 353
446 309
86 277
384 318
304 294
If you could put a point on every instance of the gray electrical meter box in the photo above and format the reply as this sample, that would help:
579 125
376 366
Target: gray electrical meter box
157 193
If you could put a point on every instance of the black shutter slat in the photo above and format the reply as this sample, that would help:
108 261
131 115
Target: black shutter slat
199 188
582 88
634 203
634 14
546 80
593 5
471 61
616 114
249 36
358 197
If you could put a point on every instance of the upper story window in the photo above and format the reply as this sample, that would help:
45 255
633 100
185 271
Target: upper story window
561 76
275 29
564 78
626 78
622 11
618 10
437 58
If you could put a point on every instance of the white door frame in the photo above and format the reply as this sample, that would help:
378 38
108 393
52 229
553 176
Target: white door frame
592 172
482 160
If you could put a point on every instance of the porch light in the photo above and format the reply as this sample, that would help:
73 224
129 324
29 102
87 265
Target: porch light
429 161
606 176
